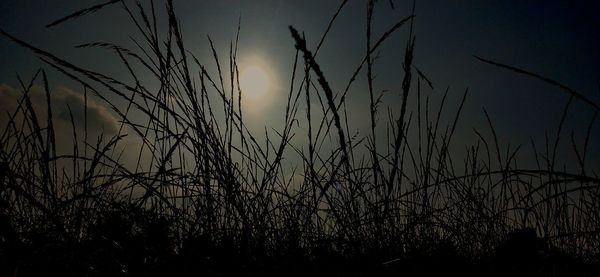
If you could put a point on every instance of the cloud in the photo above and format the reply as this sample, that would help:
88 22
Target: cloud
99 119
100 123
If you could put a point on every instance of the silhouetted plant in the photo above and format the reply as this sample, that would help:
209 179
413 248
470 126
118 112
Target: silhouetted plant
206 197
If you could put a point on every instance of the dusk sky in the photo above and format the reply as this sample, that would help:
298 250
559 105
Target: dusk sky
299 137
556 39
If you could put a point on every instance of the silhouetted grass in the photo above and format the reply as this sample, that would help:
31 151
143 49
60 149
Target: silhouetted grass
207 197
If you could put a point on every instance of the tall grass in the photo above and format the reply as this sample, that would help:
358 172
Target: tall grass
207 196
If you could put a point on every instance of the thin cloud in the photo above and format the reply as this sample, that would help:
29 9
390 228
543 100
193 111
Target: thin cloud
99 119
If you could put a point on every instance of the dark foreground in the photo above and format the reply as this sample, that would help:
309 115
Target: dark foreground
115 250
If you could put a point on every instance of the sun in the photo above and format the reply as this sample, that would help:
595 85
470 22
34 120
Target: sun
254 81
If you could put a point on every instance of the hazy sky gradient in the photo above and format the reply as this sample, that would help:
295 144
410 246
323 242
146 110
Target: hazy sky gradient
558 39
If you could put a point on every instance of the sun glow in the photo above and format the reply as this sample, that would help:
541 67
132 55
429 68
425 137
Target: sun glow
254 81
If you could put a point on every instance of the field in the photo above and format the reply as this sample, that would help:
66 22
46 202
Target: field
183 187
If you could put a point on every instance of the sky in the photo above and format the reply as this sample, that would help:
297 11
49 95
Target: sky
557 39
